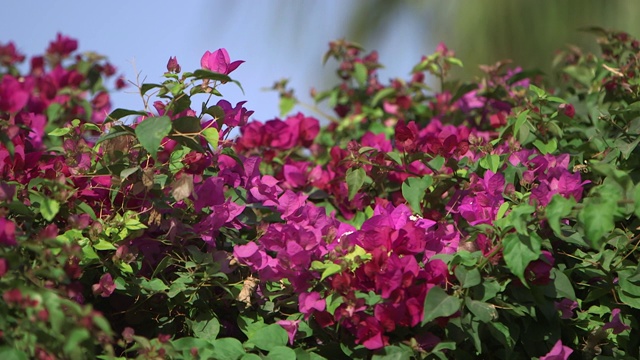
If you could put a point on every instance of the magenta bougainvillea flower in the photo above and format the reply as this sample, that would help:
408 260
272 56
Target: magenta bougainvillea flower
616 323
558 352
7 232
567 109
310 302
234 116
566 307
291 326
13 96
62 46
172 65
4 266
105 287
538 272
9 55
219 61
369 333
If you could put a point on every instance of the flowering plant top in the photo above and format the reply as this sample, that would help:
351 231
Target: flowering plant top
490 218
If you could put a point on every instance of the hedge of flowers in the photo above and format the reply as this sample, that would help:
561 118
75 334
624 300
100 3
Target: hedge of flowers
492 219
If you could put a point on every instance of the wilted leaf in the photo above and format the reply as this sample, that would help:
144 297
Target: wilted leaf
182 188
248 288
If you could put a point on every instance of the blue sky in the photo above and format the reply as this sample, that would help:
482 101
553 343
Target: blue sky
277 39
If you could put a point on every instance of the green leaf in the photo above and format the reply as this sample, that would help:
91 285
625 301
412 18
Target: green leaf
491 162
189 125
438 303
74 339
558 208
539 92
443 345
9 353
206 74
286 105
251 357
151 131
629 280
413 190
436 163
60 131
520 120
481 310
102 245
636 200
355 179
127 172
8 144
331 270
328 268
547 148
303 354
281 353
468 277
520 216
49 208
90 127
629 299
115 132
394 156
503 334
269 337
125 268
502 210
519 251
205 327
394 353
215 111
228 349
154 285
120 113
384 93
177 286
454 61
56 314
524 132
360 73
490 288
582 74
212 136
556 99
144 88
187 343
596 217
54 111
562 285
356 256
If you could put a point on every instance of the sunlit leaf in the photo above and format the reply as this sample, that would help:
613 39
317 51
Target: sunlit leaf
151 131
438 303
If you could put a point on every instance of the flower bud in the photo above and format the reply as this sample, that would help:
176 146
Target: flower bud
173 66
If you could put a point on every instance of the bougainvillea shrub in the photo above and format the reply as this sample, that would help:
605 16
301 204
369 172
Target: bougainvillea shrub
492 219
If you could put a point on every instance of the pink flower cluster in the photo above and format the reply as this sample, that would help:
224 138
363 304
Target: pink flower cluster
548 175
279 135
398 245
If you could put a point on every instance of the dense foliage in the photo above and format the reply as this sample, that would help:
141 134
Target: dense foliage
492 219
